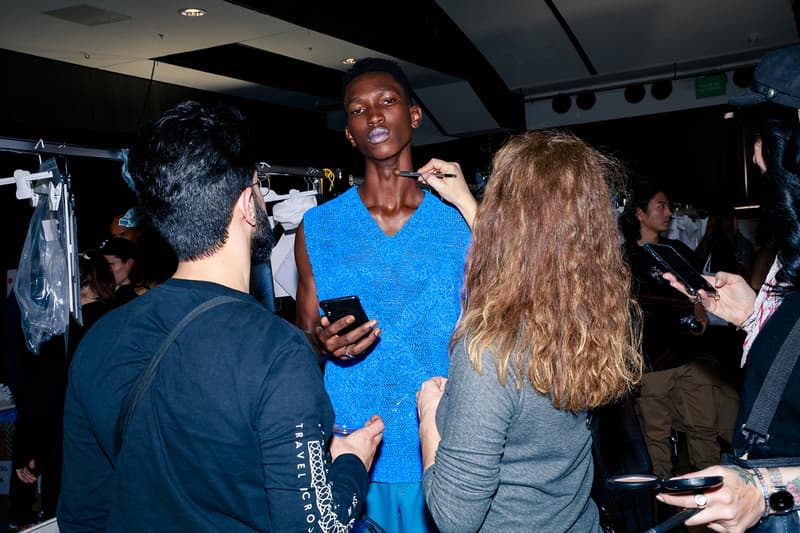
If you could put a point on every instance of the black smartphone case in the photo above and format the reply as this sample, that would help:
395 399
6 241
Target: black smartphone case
669 259
337 308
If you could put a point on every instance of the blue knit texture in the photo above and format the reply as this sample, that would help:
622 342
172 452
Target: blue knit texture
410 282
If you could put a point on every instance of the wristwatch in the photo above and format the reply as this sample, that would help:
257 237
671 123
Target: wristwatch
781 500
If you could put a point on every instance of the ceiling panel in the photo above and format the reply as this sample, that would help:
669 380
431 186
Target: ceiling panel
625 36
521 39
155 29
622 35
473 63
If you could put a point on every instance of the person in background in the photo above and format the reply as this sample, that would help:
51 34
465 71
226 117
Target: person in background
670 328
121 256
128 225
542 338
721 344
717 250
234 431
155 260
774 124
98 294
39 429
401 251
763 493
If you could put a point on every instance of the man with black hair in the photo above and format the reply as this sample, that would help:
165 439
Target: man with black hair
230 433
401 251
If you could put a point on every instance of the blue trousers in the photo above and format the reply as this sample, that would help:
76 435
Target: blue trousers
399 508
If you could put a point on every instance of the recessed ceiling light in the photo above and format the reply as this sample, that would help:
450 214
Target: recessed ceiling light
349 61
192 12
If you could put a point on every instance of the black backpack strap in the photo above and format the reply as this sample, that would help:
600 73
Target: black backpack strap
144 380
756 429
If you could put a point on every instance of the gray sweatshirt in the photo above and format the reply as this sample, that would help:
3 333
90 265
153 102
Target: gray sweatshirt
508 460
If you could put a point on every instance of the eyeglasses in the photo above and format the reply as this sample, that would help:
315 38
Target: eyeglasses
262 179
262 176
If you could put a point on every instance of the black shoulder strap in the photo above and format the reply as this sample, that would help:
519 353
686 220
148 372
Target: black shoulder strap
756 429
142 383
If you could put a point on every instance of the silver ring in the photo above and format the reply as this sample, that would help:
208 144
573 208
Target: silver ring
347 353
701 500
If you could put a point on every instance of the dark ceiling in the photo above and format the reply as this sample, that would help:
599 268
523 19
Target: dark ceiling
475 66
94 73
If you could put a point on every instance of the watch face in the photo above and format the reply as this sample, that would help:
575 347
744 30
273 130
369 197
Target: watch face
781 501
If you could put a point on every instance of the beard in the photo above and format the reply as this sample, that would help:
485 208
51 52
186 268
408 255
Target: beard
261 244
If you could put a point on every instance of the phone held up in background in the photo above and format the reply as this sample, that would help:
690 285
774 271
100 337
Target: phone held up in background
671 261
336 308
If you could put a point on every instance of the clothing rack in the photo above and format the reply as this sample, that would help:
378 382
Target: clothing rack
50 186
49 183
272 196
23 179
40 146
311 176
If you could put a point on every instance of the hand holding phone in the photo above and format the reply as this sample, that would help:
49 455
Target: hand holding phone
338 308
671 261
734 300
354 340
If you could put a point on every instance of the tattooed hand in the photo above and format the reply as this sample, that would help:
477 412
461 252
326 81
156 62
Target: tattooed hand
732 507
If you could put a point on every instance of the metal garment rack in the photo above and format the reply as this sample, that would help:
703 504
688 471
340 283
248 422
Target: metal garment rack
40 146
312 177
30 185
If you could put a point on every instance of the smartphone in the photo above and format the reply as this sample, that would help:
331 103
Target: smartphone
670 260
337 308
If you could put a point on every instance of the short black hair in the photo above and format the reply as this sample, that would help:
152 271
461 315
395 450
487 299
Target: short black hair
377 64
190 170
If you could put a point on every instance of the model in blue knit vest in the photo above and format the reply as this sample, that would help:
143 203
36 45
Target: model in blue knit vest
401 251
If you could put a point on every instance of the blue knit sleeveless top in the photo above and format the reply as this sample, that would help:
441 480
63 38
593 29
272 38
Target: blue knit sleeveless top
410 282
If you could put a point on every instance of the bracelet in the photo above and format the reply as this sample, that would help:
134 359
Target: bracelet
764 491
748 322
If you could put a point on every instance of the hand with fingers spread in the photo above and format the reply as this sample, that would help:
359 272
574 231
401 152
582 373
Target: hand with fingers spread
453 190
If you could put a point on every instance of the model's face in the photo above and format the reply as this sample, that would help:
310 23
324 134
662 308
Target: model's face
120 268
658 215
379 117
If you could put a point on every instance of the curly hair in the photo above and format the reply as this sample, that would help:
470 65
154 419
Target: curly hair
546 288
